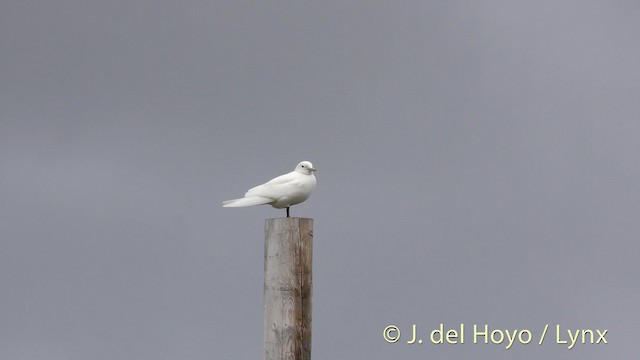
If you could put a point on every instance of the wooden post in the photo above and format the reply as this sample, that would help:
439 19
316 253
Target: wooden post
288 249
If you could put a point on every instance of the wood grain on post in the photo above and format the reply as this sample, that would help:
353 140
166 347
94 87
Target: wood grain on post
288 250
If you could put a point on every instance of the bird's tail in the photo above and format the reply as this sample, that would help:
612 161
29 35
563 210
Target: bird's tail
247 201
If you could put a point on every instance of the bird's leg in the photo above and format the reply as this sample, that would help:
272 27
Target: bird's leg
287 211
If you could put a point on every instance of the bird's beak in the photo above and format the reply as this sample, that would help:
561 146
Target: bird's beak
312 169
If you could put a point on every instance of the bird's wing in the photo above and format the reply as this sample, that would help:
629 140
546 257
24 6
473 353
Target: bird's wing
247 201
276 188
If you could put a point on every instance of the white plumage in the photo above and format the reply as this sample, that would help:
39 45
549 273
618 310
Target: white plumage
282 192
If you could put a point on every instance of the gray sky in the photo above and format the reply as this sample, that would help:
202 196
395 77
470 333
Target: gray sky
477 164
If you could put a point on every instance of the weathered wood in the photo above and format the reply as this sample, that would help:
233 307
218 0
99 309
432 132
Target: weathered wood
288 250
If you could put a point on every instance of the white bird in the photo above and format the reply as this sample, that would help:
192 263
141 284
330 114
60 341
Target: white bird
282 192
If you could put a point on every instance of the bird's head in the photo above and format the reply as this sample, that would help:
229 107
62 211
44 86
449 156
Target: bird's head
305 167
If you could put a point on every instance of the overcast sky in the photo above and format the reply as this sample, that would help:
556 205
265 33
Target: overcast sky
477 164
